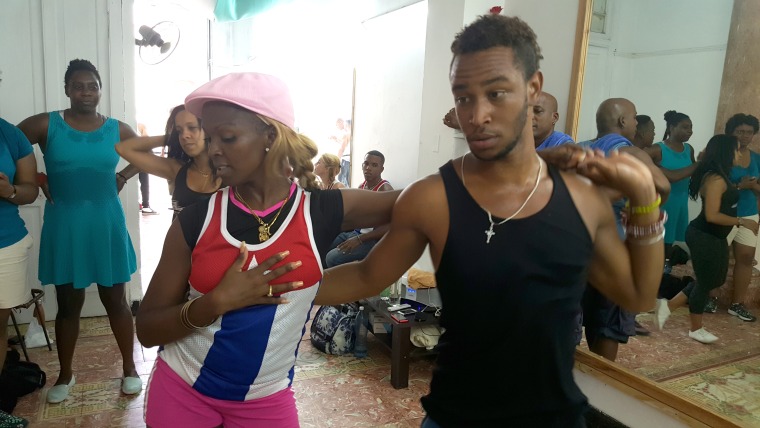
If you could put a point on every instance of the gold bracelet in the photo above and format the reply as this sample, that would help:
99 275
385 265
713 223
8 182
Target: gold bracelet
646 209
184 316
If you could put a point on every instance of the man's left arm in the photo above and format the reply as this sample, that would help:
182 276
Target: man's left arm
628 272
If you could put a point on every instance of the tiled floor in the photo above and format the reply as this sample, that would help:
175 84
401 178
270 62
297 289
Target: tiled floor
723 376
331 391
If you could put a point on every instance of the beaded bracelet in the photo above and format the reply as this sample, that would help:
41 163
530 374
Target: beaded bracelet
655 239
122 176
635 231
646 209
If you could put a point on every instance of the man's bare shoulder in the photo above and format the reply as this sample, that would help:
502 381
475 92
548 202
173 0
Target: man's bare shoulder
424 185
427 192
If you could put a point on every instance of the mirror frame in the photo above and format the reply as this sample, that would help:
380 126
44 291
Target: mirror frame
622 378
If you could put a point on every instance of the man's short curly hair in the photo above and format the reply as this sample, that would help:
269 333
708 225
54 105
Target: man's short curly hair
80 65
490 31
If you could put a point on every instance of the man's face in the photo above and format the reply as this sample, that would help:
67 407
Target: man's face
544 118
491 98
372 168
629 121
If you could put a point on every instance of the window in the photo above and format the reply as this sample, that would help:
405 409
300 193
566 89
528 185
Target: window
599 17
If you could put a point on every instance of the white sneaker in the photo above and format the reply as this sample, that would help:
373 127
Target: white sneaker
703 336
661 312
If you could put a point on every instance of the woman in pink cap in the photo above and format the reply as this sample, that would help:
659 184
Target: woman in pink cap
238 276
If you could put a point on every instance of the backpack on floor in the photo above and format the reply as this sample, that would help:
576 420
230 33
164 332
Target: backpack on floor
17 379
332 330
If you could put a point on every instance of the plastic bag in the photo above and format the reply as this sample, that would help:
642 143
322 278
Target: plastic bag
35 336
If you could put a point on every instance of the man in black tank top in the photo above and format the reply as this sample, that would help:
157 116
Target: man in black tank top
513 243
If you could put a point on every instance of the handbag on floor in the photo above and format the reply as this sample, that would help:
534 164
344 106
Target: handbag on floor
17 379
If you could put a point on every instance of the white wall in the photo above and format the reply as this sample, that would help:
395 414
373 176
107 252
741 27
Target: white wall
661 59
554 22
389 86
39 38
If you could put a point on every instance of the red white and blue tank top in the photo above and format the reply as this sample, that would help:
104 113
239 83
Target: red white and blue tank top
251 352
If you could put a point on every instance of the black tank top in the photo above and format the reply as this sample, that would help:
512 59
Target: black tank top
183 196
509 309
728 203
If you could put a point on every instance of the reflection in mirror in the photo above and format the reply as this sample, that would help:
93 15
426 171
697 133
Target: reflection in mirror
665 56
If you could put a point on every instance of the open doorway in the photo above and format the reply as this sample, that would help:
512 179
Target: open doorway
171 59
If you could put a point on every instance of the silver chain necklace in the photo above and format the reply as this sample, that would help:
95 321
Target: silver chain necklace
490 233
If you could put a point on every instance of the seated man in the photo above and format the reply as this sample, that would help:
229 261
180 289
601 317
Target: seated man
545 116
356 244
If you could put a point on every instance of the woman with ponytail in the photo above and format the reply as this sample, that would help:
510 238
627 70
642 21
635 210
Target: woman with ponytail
676 159
706 234
327 168
232 293
186 167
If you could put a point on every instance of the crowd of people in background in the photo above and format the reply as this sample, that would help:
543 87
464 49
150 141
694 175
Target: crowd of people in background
261 233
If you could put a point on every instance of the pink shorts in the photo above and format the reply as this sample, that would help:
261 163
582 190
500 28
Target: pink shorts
171 402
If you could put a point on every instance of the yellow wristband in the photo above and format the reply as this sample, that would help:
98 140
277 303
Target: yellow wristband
644 209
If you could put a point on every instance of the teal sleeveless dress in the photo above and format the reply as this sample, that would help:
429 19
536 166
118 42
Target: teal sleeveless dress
84 234
677 205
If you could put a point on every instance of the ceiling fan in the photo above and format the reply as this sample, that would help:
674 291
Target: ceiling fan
158 42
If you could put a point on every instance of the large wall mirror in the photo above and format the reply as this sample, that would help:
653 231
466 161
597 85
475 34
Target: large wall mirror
683 55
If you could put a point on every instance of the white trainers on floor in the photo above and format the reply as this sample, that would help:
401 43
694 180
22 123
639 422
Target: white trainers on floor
703 336
661 312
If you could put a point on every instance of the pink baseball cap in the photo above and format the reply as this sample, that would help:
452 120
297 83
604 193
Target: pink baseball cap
260 93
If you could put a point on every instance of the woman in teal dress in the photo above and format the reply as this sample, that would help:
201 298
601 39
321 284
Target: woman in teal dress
676 159
84 234
744 175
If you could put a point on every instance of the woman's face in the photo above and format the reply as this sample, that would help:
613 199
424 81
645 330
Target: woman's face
319 168
83 90
647 134
191 136
682 132
744 133
237 142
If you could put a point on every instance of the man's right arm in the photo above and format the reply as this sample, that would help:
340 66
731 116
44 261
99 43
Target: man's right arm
401 247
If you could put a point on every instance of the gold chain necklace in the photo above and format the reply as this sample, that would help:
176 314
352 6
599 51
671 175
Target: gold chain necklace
197 168
490 233
264 233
